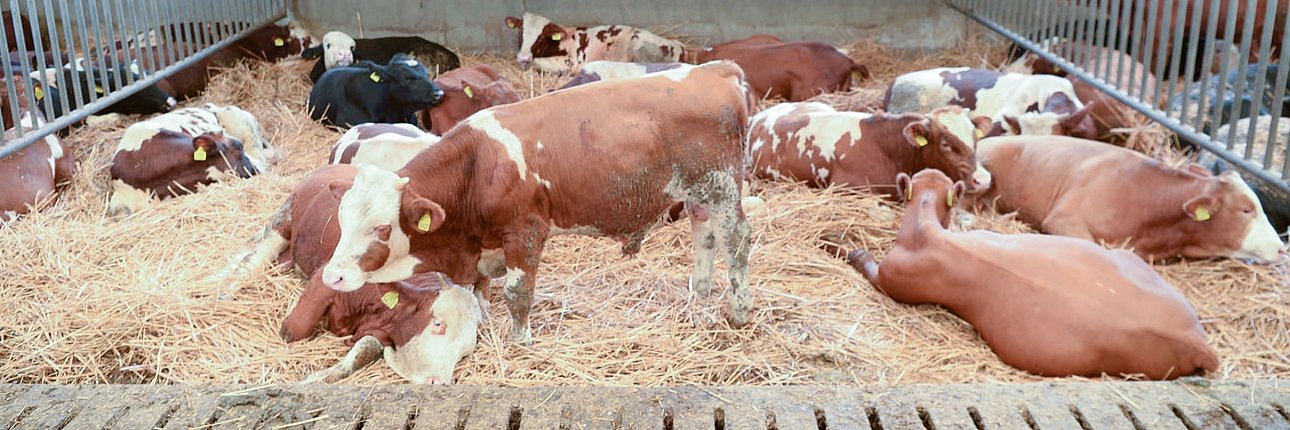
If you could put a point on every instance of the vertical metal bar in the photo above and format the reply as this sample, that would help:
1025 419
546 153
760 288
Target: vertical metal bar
107 47
1096 46
1112 35
1283 71
1265 48
1068 28
165 40
56 49
121 34
8 71
1150 45
1229 33
71 91
1133 15
39 48
1159 54
130 30
1211 29
18 25
180 26
1174 64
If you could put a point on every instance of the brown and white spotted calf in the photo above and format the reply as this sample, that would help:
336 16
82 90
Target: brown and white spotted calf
1017 103
169 155
557 49
30 175
422 326
387 146
511 176
812 142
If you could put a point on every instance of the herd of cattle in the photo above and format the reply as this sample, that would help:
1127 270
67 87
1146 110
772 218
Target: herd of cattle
445 179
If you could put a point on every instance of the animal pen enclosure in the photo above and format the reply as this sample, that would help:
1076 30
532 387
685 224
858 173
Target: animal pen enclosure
98 300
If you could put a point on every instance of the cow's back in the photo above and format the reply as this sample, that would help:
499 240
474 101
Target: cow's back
26 177
616 154
1069 167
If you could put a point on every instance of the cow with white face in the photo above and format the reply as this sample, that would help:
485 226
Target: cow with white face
1017 103
558 49
510 176
336 50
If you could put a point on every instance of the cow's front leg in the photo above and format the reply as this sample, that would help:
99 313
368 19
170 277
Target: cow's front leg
364 352
522 244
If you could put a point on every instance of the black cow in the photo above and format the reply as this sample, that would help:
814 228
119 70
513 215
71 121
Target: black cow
381 50
148 100
369 92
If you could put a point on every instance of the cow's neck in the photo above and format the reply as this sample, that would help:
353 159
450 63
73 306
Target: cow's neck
442 173
922 219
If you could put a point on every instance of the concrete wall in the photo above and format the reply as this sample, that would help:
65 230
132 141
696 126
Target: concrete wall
474 26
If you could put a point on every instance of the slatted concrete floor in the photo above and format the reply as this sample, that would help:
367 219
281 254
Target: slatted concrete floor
1198 404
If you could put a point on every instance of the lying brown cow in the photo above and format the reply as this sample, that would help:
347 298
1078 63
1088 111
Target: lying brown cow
171 154
31 174
794 71
1049 305
1091 190
812 142
424 324
513 175
388 146
465 91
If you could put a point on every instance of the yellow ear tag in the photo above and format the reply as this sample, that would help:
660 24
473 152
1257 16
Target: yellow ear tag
279 42
469 93
979 133
375 77
921 141
949 198
909 192
40 94
557 36
1202 213
424 223
98 89
199 154
390 299
510 24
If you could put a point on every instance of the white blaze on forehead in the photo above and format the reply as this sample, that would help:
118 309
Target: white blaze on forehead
958 122
429 355
828 128
1038 123
533 25
1261 242
486 121
372 200
922 91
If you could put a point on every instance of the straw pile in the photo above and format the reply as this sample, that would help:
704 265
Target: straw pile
93 299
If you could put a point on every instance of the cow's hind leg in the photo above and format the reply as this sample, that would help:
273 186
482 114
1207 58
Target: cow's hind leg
705 249
733 235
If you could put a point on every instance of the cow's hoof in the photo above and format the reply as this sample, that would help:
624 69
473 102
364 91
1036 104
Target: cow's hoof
738 318
702 288
522 337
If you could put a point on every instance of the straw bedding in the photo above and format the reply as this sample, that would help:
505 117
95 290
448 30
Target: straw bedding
92 299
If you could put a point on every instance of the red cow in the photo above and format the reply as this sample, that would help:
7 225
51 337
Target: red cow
794 71
511 176
387 146
1049 305
466 91
169 155
30 175
812 142
1096 191
1017 103
558 49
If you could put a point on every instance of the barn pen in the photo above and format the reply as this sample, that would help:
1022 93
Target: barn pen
114 320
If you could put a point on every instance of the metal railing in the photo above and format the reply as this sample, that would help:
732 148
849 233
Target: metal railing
1205 81
109 34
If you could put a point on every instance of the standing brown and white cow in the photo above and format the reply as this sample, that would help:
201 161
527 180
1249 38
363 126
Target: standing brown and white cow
31 174
812 142
1049 305
465 91
1017 103
557 49
1092 190
169 155
513 175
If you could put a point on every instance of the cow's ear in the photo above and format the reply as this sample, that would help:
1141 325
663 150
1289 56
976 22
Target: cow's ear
983 126
204 146
312 53
1197 169
905 185
1072 121
917 133
423 215
338 188
558 35
513 22
1200 208
1012 123
956 193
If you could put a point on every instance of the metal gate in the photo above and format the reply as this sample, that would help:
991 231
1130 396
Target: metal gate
1217 62
108 33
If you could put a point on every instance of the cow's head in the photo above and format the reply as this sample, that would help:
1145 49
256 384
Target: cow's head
538 38
225 153
271 43
461 99
931 184
376 217
242 125
336 50
944 139
439 336
411 81
1226 218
